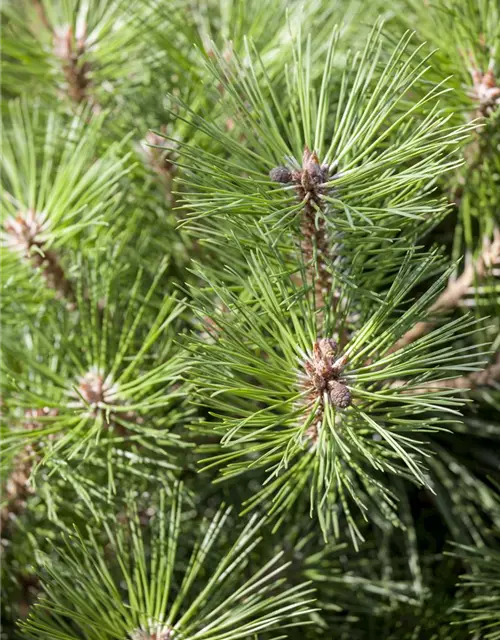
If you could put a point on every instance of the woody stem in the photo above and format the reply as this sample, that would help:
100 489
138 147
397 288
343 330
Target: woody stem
455 291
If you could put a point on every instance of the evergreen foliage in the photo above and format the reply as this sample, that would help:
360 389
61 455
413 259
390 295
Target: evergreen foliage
160 602
250 361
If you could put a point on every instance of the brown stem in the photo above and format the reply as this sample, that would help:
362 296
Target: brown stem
487 96
76 70
486 378
316 250
26 236
54 275
309 185
456 290
42 14
17 488
159 154
322 378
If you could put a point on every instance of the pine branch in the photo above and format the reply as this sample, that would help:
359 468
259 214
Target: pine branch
311 415
17 485
211 592
112 385
310 176
75 68
364 193
467 41
55 189
25 235
309 183
488 377
456 290
79 53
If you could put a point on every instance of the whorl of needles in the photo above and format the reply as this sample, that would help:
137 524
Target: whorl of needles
25 235
322 379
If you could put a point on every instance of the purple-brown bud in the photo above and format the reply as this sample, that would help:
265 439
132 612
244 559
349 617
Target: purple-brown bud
339 394
281 174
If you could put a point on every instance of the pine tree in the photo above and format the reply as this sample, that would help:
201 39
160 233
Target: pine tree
250 319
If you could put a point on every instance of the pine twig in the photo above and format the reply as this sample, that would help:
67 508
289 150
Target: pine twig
42 14
309 185
159 155
76 70
17 488
322 379
25 235
456 290
486 378
486 93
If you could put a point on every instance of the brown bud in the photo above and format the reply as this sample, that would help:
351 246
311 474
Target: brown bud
339 394
281 174
316 173
309 158
319 381
327 347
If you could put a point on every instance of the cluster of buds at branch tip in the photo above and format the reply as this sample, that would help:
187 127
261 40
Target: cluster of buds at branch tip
322 379
94 394
96 391
161 632
25 231
309 180
25 234
485 91
70 49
